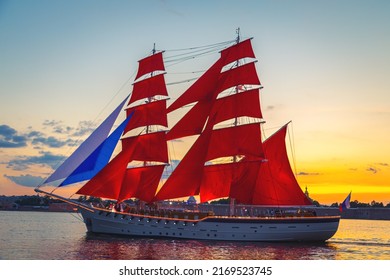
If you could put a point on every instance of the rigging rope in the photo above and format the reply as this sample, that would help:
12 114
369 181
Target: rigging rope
204 46
200 51
190 54
181 82
187 54
292 147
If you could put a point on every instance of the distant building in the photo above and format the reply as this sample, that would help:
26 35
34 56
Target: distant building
307 193
191 200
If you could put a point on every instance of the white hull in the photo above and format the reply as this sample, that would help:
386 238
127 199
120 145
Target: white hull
212 227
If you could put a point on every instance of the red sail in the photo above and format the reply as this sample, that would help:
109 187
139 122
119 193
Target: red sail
242 75
193 122
236 140
237 51
107 183
245 181
152 113
201 89
216 181
235 180
186 178
141 182
148 147
223 109
149 87
150 64
276 183
226 108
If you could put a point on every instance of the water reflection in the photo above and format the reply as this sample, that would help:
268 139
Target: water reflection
96 246
50 236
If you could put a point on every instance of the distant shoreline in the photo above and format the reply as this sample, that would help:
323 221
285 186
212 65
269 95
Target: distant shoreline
352 213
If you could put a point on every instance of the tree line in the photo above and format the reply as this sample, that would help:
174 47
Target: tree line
44 201
357 204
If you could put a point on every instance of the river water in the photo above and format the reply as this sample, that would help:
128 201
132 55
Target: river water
62 236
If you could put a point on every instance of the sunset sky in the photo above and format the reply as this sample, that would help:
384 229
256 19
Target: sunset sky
325 65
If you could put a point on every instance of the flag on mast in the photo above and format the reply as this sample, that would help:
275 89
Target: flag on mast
346 203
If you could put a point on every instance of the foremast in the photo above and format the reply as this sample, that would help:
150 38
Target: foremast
137 170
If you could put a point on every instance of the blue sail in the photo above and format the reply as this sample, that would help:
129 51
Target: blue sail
98 159
86 148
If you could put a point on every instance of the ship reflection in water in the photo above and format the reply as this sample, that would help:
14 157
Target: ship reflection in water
152 249
49 236
355 240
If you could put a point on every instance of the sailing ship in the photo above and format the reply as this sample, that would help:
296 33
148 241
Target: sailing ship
229 159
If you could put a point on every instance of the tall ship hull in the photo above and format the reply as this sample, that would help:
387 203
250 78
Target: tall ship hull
230 158
266 229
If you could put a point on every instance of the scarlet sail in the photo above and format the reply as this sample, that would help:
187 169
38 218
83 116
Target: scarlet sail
241 50
148 88
206 90
148 147
226 162
205 85
112 175
119 181
227 108
236 180
228 159
141 182
150 64
276 183
151 147
192 176
152 113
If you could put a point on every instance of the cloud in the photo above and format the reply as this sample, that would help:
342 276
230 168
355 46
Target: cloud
51 123
373 170
63 129
51 142
85 127
34 133
376 167
45 159
26 180
7 131
58 127
302 173
9 138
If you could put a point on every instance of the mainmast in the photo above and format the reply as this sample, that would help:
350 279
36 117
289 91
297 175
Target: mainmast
206 169
237 86
232 199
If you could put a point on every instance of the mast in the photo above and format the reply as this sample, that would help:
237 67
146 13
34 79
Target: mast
237 87
136 171
201 171
232 199
153 146
150 98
